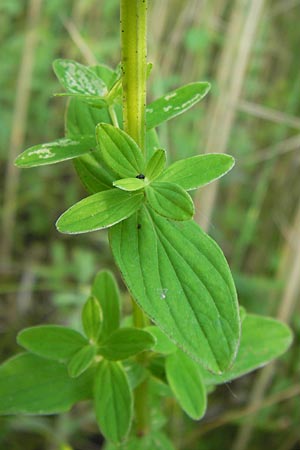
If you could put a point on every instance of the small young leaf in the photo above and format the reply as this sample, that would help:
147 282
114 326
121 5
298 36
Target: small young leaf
113 401
130 184
91 317
106 291
119 151
98 211
263 339
55 152
180 278
81 361
191 173
156 164
185 379
163 344
33 385
51 341
78 79
126 342
175 103
170 200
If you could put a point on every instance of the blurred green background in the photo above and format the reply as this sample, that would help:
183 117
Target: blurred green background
249 51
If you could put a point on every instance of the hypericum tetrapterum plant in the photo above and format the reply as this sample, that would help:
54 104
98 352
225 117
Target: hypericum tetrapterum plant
174 271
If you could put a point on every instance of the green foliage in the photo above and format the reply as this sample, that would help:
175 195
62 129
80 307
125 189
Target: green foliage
105 290
113 401
173 270
185 379
33 385
126 342
168 267
51 341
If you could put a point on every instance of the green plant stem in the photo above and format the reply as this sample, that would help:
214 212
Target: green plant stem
134 68
134 74
113 116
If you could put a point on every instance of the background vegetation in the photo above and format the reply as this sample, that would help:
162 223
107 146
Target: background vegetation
249 51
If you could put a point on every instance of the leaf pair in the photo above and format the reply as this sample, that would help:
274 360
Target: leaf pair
164 191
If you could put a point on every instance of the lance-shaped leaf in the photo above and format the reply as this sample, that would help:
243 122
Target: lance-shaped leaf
106 291
170 200
33 385
185 379
126 342
99 211
156 164
163 344
191 173
56 151
119 151
175 103
113 401
81 361
180 278
263 339
51 341
78 79
130 184
91 318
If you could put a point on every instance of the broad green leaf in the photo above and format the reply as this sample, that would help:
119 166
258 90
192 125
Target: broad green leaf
263 339
119 151
185 379
156 164
175 103
163 344
81 361
113 401
98 211
91 318
170 200
51 341
126 342
92 173
152 143
33 385
180 278
191 173
130 184
78 79
55 152
106 291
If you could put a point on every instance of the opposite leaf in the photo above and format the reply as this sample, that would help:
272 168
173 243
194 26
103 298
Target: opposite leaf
78 79
113 401
51 341
106 291
175 103
156 164
262 340
33 385
180 278
170 200
91 318
126 342
55 152
191 173
119 151
81 361
98 211
130 184
185 379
